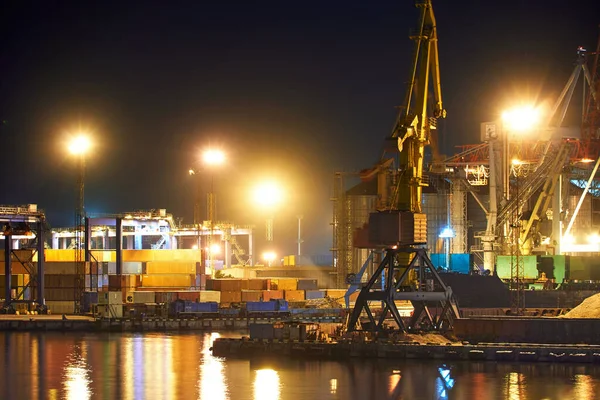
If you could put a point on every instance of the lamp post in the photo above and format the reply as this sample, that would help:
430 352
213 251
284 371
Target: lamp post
212 158
79 147
192 172
267 195
447 234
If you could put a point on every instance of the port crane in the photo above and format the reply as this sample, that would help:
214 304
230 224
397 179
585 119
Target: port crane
399 226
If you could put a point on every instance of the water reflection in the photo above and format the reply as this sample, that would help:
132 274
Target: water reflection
584 387
266 385
211 383
515 386
77 376
181 366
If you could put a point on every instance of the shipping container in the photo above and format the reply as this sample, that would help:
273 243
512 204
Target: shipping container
142 297
109 310
267 306
252 295
272 295
209 295
307 284
174 280
165 297
228 285
60 307
179 307
294 295
112 297
314 294
174 267
188 295
162 255
59 294
287 284
62 281
128 268
231 296
257 284
89 298
336 293
17 268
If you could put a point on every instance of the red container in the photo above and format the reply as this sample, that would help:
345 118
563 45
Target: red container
188 295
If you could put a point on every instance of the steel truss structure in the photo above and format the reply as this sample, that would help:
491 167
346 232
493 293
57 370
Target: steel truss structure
416 281
24 223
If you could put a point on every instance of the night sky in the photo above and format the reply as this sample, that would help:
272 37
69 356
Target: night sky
290 90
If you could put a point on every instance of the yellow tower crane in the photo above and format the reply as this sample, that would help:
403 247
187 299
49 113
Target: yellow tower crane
398 227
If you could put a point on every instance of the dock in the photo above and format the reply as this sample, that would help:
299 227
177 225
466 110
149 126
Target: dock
346 350
149 324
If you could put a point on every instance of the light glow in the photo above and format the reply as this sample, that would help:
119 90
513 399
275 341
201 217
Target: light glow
80 145
267 385
447 233
521 118
594 238
269 256
568 239
215 249
268 194
213 157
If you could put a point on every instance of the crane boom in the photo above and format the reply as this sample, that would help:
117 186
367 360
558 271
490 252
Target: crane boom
416 118
406 272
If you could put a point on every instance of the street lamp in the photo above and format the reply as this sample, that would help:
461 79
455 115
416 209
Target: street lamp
519 120
269 257
447 234
212 158
79 146
268 195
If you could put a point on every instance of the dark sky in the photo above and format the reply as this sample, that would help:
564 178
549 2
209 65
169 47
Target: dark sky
290 90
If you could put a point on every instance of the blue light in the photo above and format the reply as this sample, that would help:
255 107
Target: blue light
447 233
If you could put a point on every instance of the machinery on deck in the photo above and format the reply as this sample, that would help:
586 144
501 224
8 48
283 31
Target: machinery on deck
399 226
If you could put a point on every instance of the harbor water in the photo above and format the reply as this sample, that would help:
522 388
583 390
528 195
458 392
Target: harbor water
180 366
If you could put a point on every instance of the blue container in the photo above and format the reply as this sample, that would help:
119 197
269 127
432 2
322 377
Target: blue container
307 284
205 307
229 312
314 294
262 306
283 305
89 298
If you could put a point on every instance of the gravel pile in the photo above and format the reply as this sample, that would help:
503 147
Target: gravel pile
590 308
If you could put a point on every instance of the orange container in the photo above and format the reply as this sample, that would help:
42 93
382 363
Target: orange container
294 295
231 296
257 284
272 295
252 295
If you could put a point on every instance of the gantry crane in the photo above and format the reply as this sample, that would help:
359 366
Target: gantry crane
399 227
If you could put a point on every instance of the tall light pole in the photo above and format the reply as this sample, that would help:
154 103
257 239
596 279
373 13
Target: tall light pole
79 146
516 121
268 195
192 172
212 158
300 217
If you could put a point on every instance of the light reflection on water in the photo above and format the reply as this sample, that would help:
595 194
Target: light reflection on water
266 385
211 382
181 366
76 376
